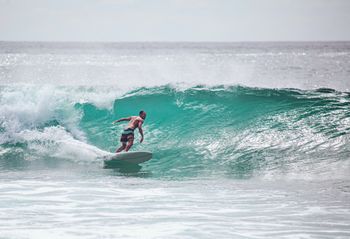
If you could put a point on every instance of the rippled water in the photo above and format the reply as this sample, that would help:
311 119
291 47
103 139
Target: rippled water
234 156
101 205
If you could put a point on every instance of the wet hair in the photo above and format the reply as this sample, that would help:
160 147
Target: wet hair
141 112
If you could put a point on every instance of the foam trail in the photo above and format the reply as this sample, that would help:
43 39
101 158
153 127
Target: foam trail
57 142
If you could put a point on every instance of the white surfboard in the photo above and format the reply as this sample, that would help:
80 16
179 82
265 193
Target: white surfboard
130 157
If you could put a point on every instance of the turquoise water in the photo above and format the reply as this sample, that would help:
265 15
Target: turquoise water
234 157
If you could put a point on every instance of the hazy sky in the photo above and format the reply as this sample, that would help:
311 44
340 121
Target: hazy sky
174 20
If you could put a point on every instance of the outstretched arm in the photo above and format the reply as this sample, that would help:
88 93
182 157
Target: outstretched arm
121 119
140 131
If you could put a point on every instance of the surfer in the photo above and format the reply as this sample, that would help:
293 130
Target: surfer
127 138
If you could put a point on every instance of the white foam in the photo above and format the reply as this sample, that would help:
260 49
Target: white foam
57 142
25 109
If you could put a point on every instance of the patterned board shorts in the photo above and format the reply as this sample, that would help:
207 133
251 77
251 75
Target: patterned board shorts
127 135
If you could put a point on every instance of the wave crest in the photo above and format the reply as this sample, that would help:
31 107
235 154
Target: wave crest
222 130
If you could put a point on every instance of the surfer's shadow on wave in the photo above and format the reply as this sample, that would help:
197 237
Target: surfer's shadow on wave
126 169
127 163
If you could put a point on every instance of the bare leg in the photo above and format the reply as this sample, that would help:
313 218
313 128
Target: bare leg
130 143
121 148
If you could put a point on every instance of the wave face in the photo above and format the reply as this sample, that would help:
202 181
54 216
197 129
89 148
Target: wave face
218 131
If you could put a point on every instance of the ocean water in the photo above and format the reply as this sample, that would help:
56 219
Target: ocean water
250 140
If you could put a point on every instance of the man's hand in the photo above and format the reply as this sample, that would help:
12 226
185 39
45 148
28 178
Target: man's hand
141 139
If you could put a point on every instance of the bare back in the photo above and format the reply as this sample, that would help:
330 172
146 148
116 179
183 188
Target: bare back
134 122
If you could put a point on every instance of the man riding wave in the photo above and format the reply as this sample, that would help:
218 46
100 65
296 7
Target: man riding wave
127 138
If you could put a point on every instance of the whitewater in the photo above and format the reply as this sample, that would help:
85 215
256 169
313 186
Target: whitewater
249 140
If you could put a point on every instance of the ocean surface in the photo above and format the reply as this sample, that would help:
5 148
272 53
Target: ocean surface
249 140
